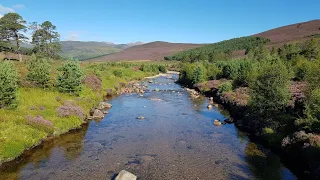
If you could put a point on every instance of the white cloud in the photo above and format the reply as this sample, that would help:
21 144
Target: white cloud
1 15
5 10
18 6
72 36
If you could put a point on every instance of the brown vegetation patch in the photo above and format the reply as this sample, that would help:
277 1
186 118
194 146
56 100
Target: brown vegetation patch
238 97
290 33
39 120
70 109
93 82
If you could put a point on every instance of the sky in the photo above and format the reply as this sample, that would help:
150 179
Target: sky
186 21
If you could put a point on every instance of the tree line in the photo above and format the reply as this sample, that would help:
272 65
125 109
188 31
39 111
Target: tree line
218 51
13 29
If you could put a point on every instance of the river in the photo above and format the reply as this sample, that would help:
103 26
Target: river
176 140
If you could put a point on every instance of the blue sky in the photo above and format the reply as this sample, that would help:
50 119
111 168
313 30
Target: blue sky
196 21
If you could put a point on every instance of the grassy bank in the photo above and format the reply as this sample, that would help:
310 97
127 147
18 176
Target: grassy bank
18 134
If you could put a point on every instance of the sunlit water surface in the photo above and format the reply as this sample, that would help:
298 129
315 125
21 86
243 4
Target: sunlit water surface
176 140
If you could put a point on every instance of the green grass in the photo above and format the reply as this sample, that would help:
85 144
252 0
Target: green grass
16 134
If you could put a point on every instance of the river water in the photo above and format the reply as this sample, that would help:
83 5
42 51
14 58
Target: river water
176 140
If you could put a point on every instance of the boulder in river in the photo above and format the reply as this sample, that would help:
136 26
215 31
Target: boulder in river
97 114
209 106
140 117
104 105
217 122
125 175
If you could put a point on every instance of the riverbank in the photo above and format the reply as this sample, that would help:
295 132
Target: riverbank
303 157
175 140
46 113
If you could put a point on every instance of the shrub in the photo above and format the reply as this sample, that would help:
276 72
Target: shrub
301 67
119 73
213 71
245 70
38 71
162 68
225 87
70 77
149 68
198 74
270 88
8 85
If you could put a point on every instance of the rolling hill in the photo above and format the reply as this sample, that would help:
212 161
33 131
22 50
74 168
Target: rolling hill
149 51
85 50
291 33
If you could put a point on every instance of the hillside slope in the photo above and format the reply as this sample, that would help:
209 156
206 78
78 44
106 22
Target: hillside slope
85 50
293 32
149 51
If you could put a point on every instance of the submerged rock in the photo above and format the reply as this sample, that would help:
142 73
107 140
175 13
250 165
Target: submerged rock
125 175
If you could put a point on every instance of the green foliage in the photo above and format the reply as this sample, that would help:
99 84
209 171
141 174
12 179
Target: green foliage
213 71
270 89
301 67
192 73
8 85
70 77
46 39
162 68
259 53
38 71
119 73
153 68
311 49
289 51
218 51
225 87
11 25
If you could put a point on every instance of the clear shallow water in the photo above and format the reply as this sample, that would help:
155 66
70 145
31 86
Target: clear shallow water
176 140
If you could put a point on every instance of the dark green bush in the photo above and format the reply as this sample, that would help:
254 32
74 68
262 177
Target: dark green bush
192 73
38 71
70 76
270 88
119 73
8 85
162 68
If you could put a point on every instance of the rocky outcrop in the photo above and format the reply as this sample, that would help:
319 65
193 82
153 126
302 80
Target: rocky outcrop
97 114
104 105
193 93
125 175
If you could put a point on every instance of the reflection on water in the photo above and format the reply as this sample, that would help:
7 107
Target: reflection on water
176 140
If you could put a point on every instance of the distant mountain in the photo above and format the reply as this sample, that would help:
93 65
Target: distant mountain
85 50
149 51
